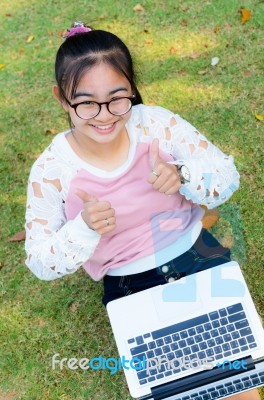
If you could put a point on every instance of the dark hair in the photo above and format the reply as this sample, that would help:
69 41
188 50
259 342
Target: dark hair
80 52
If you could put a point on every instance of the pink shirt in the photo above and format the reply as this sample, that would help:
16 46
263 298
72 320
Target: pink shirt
146 220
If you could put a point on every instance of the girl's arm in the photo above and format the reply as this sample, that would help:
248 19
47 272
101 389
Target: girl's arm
213 176
54 246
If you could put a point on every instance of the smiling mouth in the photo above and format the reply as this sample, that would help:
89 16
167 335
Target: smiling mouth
104 127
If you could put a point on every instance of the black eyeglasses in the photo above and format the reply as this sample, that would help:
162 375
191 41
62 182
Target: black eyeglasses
90 109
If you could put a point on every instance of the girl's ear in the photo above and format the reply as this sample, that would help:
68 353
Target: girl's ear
56 94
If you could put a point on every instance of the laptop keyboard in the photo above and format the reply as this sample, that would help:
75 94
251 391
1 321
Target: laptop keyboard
233 386
217 335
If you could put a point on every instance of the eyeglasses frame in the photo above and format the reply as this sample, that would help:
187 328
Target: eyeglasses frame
74 106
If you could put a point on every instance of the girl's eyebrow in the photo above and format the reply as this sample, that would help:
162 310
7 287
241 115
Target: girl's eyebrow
79 94
118 90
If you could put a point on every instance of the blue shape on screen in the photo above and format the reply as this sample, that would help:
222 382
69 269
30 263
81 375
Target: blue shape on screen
185 292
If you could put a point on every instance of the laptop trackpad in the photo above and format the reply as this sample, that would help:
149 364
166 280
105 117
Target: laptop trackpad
178 299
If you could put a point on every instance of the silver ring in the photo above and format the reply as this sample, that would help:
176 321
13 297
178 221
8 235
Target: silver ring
155 173
107 222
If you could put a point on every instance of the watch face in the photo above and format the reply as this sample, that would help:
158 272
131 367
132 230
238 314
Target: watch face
185 173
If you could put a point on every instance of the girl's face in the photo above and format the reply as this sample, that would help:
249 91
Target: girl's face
102 83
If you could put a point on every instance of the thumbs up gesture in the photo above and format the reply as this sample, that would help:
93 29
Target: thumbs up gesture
164 177
98 215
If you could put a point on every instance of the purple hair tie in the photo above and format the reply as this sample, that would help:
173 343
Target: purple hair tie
78 27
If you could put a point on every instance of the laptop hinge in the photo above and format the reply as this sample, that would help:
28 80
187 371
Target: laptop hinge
199 379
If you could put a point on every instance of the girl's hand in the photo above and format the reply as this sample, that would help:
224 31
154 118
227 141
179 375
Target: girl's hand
98 215
163 177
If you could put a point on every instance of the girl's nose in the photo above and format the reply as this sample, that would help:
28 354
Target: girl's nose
104 114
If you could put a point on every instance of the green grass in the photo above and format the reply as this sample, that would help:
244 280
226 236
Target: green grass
172 41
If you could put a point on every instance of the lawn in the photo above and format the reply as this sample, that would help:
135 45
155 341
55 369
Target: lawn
173 43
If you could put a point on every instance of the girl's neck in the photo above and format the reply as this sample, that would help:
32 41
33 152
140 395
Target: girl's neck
107 156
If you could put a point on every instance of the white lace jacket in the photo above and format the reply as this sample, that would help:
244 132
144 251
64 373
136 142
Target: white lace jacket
56 247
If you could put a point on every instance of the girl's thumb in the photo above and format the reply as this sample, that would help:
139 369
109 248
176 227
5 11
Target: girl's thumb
84 196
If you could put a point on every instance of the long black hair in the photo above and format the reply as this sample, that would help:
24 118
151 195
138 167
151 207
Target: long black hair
80 52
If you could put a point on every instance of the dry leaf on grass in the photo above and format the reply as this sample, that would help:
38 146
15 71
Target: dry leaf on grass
51 131
139 7
202 72
245 15
18 237
73 307
2 66
259 117
30 38
210 217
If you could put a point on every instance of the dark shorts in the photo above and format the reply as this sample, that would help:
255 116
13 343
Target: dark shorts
206 253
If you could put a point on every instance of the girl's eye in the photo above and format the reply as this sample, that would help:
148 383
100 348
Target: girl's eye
87 104
117 100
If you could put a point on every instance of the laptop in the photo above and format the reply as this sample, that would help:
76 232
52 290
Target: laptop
197 338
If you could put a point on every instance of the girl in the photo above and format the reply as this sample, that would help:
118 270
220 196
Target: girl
119 192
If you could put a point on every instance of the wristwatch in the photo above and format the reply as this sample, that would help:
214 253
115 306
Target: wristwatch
184 174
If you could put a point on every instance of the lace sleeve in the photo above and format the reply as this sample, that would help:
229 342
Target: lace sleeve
54 246
214 177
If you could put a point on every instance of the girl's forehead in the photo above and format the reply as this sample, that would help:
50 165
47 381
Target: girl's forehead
102 78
